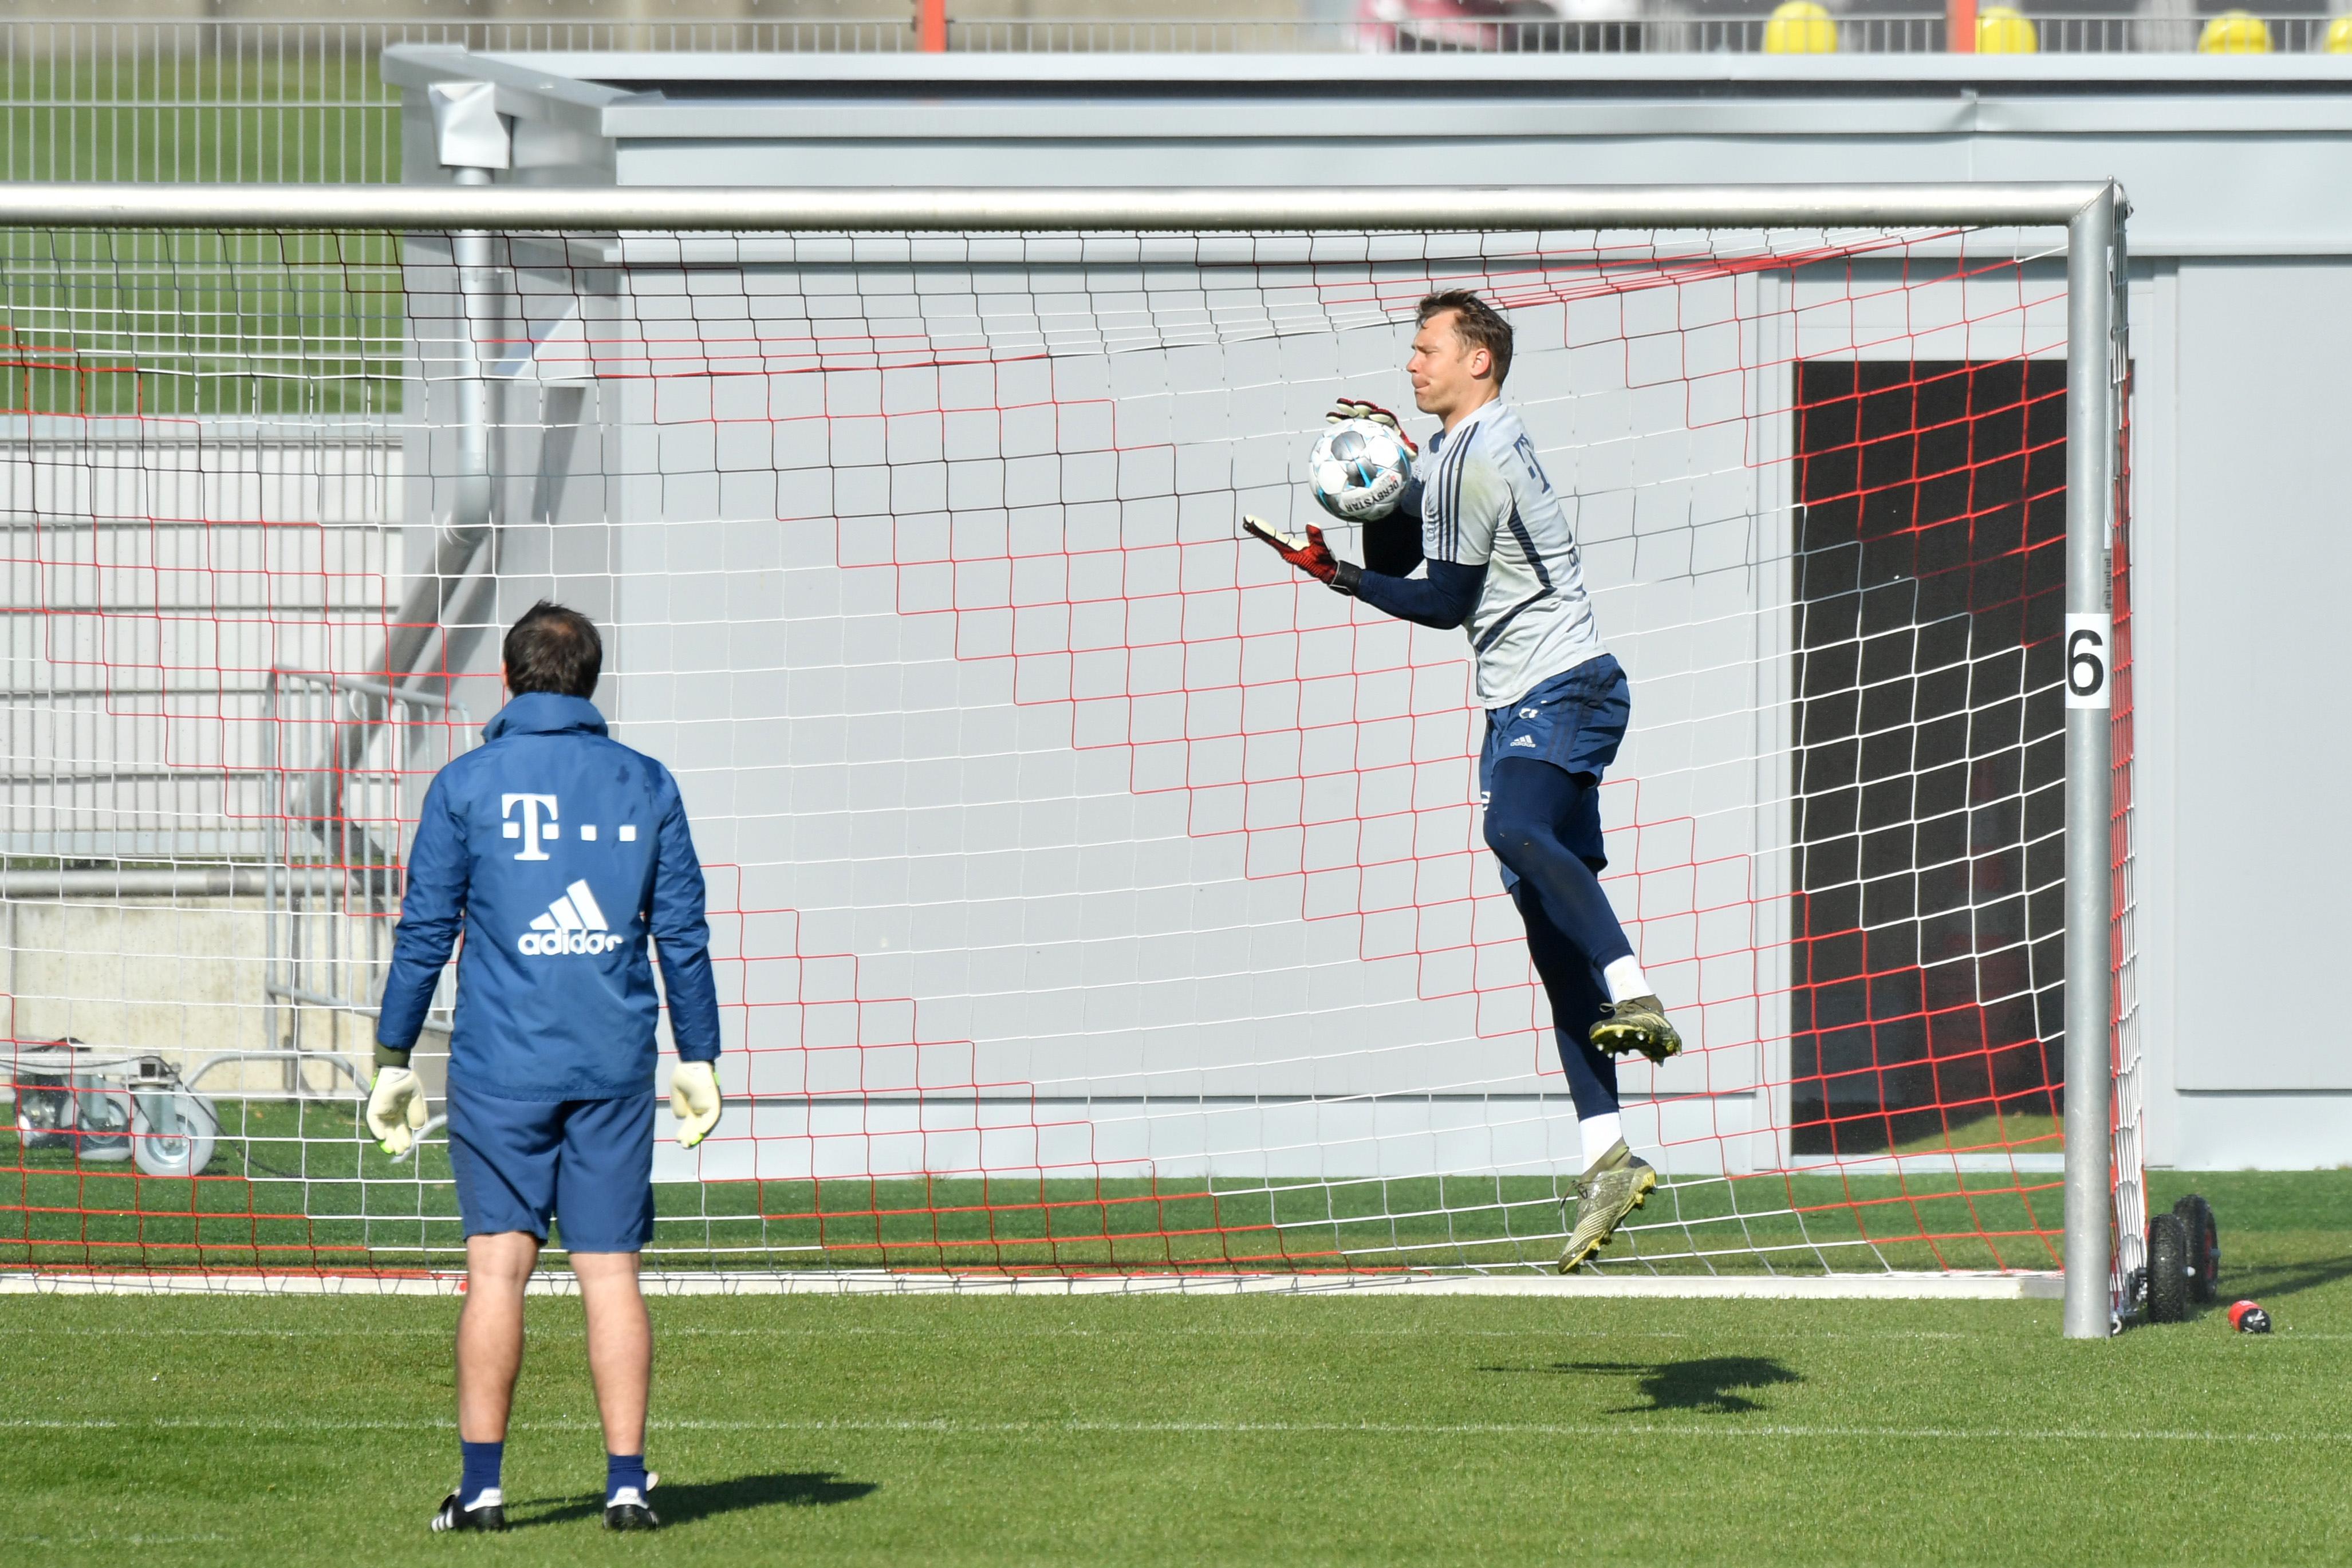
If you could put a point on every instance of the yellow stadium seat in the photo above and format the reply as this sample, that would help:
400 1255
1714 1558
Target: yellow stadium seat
2234 33
2004 31
1799 27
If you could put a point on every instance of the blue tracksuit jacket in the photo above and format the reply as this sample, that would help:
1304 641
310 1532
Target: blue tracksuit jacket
558 851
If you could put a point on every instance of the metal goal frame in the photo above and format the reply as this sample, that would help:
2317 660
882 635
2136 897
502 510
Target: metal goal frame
2102 1169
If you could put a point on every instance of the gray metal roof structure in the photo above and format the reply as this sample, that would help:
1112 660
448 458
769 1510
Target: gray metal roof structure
2223 155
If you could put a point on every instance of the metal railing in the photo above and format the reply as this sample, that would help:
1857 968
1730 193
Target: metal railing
302 100
332 882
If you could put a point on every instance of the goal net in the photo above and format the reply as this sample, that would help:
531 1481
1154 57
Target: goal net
1090 892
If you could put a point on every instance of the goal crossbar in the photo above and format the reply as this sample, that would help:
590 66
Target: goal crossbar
722 208
2091 213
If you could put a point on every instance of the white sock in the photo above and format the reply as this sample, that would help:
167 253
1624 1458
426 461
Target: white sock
1625 980
485 1497
1600 1135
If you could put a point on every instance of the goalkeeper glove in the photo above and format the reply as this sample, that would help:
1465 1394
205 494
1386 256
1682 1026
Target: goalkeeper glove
694 1101
395 1108
1347 409
1310 553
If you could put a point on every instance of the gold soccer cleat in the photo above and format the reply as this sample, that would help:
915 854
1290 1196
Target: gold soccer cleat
1617 1185
1638 1025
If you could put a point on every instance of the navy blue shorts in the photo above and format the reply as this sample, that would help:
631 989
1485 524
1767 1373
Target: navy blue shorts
588 1165
1575 722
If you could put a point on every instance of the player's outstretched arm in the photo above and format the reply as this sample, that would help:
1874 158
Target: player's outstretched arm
1442 599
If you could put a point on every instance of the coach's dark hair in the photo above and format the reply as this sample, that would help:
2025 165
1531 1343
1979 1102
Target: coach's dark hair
1478 325
553 649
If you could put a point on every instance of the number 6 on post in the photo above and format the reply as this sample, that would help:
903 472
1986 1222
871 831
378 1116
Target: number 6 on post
2089 639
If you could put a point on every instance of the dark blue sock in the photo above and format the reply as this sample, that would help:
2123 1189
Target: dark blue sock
623 1470
481 1461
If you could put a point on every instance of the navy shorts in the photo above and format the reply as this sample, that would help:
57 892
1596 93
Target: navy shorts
1576 721
588 1165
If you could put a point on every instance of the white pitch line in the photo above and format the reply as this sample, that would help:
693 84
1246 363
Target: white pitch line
1986 1286
1139 1332
1728 1428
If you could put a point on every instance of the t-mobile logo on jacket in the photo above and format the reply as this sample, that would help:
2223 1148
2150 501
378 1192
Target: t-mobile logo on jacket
532 828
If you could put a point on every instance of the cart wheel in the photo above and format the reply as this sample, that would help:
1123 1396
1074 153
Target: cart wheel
2204 1246
2167 1270
183 1146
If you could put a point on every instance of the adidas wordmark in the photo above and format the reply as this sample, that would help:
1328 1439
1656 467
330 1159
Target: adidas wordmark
573 923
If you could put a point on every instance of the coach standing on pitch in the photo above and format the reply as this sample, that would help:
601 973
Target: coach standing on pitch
558 850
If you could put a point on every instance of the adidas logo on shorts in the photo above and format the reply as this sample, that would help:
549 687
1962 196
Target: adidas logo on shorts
572 924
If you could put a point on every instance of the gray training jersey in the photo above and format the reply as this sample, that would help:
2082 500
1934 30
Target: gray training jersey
1485 501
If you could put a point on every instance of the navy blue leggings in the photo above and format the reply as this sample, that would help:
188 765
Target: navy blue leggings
1535 813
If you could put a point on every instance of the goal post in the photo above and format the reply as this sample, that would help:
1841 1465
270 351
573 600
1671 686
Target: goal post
1145 899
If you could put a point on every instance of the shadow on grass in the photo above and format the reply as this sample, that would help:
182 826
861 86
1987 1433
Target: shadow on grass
2269 1279
1708 1383
702 1500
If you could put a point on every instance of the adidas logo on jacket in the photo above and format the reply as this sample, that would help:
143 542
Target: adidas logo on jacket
572 924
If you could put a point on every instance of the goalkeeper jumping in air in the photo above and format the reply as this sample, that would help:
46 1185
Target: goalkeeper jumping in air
1502 564
557 851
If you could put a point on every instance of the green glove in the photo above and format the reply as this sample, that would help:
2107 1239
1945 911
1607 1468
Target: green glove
396 1111
694 1101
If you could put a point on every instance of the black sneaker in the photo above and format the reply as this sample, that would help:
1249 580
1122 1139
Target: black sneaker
629 1510
489 1512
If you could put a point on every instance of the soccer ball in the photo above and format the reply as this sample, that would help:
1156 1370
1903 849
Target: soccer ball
1359 468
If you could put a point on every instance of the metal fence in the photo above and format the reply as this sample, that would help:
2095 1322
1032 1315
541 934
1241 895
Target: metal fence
345 749
303 100
1662 33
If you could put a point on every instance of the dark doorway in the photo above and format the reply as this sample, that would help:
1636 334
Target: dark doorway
1927 967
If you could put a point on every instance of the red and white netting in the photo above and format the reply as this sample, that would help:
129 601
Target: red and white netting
1088 890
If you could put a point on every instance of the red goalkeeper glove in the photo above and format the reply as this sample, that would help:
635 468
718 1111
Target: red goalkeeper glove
1309 554
1347 408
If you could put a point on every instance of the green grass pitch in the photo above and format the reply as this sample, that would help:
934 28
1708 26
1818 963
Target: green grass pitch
297 1187
1229 1430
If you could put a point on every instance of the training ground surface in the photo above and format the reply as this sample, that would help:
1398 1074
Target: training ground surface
267 1430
